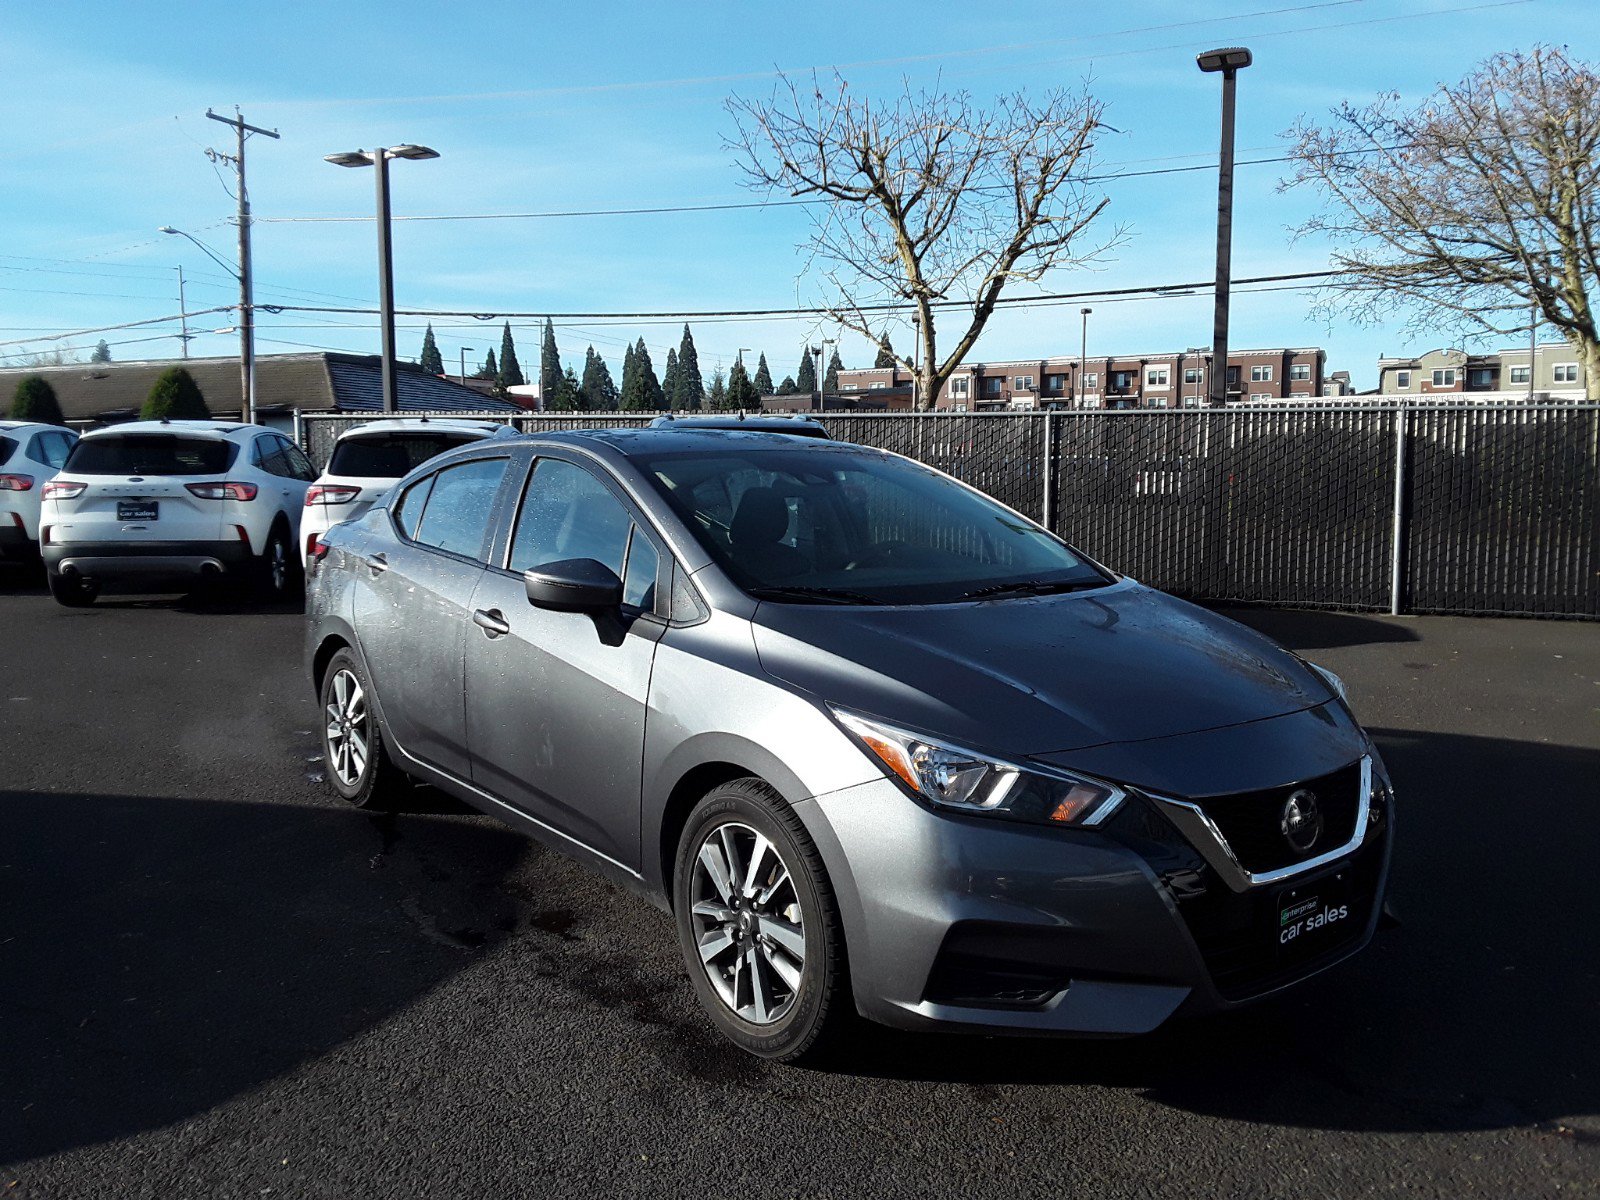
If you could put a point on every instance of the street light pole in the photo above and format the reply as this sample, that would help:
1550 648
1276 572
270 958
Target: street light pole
464 350
1229 61
379 159
1083 352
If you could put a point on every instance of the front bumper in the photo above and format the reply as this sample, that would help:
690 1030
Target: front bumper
121 560
998 927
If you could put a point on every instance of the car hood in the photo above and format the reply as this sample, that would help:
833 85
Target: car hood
1038 675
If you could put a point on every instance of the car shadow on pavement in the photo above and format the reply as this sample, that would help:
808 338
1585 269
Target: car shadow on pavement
1314 629
160 956
1479 1011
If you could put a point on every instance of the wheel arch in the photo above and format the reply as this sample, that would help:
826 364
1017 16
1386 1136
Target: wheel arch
326 649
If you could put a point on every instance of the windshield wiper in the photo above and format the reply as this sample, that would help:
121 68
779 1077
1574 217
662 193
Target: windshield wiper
1032 587
825 595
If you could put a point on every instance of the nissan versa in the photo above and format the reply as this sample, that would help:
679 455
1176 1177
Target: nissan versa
876 741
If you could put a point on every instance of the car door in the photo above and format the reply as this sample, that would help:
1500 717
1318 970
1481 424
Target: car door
412 605
555 700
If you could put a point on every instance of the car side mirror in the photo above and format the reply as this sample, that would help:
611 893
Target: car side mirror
578 585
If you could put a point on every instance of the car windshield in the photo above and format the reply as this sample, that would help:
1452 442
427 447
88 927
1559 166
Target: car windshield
838 524
391 455
151 454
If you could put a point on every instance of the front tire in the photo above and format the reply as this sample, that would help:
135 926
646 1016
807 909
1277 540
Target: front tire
72 592
759 926
359 769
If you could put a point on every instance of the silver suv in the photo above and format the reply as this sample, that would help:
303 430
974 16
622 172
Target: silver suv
879 744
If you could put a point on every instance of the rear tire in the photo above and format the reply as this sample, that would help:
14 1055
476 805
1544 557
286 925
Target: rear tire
759 926
358 766
279 570
71 591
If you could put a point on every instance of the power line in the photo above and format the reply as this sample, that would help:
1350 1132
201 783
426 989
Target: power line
72 333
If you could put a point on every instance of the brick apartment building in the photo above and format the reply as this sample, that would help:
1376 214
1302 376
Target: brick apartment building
1177 379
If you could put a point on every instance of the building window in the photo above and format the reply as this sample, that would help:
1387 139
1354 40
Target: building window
1444 377
1519 375
1022 383
1158 401
1402 379
990 387
1091 379
875 386
1156 377
850 387
1300 372
1260 374
1091 401
1121 381
958 386
1480 379
1566 372
1055 384
1261 395
1191 401
1233 378
1192 375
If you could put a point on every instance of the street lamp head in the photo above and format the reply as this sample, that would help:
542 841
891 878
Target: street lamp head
1229 58
166 229
349 158
1085 311
411 151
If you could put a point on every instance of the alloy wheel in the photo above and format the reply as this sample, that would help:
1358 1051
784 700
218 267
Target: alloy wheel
347 728
278 564
747 923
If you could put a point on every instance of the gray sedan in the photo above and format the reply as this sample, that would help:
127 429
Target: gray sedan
881 745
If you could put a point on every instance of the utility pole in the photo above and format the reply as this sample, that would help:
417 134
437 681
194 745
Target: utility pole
1083 352
183 315
464 350
1228 62
247 311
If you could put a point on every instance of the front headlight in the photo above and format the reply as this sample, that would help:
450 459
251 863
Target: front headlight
1332 680
950 777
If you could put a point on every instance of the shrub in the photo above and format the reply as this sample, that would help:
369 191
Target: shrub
176 397
35 400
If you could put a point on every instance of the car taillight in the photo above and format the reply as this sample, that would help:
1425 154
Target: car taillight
331 493
16 483
63 489
223 491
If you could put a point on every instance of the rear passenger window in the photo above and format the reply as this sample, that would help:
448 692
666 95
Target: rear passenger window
408 509
457 514
568 513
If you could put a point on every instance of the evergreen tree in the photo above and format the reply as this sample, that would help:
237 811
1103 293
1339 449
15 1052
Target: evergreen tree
647 388
175 396
489 370
787 387
669 377
830 381
805 379
763 379
549 362
742 394
569 392
102 352
885 357
35 400
717 393
431 361
630 382
510 369
598 388
691 392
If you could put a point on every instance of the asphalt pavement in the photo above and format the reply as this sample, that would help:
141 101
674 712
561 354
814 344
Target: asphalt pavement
216 981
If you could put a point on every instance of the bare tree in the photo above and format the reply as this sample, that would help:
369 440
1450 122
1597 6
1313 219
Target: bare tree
931 201
1478 205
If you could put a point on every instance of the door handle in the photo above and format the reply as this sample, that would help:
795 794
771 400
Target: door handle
378 563
492 621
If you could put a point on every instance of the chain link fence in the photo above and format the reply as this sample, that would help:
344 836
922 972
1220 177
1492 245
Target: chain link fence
1439 508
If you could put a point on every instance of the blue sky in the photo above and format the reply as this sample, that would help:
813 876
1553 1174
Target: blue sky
539 107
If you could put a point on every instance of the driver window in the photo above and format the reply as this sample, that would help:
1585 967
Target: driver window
568 513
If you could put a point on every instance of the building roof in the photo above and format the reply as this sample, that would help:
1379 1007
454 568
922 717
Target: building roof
1065 360
313 382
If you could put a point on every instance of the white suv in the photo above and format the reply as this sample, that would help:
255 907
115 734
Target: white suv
30 454
174 500
368 459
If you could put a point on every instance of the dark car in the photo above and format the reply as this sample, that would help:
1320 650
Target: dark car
880 744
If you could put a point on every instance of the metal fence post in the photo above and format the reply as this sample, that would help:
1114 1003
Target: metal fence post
1047 459
1398 538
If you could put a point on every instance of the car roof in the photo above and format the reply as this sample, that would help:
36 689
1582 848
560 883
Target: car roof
422 425
13 426
767 422
645 441
209 429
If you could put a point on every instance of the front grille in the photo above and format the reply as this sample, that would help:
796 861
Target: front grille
1252 822
1236 933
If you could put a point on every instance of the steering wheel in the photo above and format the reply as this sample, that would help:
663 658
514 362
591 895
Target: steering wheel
881 553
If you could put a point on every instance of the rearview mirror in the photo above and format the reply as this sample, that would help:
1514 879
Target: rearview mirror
579 585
